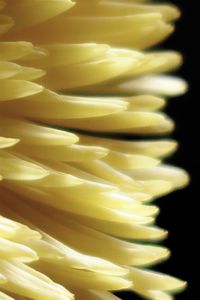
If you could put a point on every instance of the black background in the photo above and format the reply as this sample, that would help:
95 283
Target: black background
178 210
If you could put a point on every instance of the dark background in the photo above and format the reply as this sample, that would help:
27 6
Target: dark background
178 210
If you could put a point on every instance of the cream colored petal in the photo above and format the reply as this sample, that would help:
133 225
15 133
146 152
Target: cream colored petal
106 172
63 152
29 283
27 73
152 148
127 230
138 31
14 50
67 54
50 105
14 168
87 240
57 180
10 229
33 134
159 85
145 103
11 250
8 69
86 74
14 89
122 121
5 297
115 8
129 161
176 176
7 142
149 280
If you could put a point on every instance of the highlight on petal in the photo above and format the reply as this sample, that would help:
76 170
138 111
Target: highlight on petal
7 142
158 85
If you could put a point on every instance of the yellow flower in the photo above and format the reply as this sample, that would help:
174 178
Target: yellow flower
74 77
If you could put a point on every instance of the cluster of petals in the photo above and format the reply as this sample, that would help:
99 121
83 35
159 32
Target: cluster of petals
76 213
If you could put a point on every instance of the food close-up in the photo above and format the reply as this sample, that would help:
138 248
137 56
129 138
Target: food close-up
84 144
